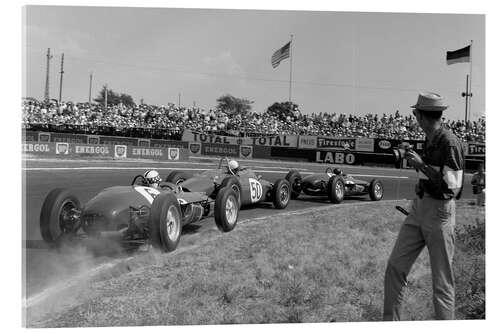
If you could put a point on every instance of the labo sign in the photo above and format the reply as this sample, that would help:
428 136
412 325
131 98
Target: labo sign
335 157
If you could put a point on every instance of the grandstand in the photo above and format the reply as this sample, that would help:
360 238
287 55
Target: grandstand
169 122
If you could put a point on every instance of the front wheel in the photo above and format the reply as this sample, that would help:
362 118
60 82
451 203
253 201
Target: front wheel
177 177
226 209
233 183
165 222
60 216
336 189
281 193
294 178
376 190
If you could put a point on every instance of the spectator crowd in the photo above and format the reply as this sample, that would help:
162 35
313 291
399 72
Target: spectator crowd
170 121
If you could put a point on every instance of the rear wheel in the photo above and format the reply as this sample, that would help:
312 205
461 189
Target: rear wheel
281 193
165 222
294 178
167 186
177 177
376 190
336 189
59 217
226 209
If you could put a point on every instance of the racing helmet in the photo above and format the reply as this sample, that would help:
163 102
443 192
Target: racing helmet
337 171
152 177
233 165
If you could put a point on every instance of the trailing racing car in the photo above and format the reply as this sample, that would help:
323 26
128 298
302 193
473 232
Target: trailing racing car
249 187
135 214
334 184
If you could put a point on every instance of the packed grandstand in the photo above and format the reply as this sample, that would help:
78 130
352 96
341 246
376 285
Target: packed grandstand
169 122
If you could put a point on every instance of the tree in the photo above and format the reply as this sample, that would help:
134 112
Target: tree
114 98
283 110
234 105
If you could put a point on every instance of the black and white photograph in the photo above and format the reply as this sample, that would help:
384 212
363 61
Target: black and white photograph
215 166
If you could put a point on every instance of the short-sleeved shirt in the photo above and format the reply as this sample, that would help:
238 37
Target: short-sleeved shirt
445 154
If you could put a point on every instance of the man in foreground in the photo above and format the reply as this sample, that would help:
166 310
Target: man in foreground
431 221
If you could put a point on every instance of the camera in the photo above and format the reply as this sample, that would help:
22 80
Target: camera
400 152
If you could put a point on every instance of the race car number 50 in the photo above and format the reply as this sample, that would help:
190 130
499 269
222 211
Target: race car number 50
255 189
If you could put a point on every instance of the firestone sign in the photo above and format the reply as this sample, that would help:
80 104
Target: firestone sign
340 143
478 149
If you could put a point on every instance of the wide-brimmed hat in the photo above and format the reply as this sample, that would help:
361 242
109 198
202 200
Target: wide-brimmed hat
429 101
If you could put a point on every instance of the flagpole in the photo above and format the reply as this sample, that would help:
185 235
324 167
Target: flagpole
290 84
470 84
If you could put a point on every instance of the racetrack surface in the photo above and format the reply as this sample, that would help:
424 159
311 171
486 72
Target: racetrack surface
44 266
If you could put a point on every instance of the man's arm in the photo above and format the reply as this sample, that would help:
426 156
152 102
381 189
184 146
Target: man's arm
453 172
446 183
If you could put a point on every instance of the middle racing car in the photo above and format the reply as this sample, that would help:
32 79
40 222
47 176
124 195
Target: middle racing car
334 184
249 187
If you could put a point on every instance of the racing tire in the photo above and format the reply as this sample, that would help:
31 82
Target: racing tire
233 183
177 177
56 226
166 186
281 193
376 190
336 189
226 209
294 178
165 223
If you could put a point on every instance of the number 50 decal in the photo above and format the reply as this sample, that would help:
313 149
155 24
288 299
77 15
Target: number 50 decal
255 189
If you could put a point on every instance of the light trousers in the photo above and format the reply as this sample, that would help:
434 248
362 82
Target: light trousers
431 224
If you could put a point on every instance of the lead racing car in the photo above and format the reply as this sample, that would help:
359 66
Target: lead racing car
135 214
334 184
249 187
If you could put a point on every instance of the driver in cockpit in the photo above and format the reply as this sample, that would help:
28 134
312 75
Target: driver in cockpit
153 178
234 166
348 179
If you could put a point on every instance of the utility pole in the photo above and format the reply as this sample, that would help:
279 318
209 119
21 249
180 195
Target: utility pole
179 104
290 86
61 78
467 94
47 95
90 88
106 97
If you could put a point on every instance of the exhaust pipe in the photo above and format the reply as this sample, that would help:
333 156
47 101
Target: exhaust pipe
118 234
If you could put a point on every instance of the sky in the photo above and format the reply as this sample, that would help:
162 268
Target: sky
342 62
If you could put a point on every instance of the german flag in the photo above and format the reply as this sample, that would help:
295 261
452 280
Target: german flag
461 55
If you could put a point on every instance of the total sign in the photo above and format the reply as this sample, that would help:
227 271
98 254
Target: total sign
336 157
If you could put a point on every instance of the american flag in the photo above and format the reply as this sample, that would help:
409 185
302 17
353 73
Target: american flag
281 54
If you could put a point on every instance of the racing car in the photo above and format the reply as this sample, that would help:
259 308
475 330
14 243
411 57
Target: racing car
135 214
334 184
249 187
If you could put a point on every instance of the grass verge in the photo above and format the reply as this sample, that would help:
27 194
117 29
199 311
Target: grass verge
324 266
